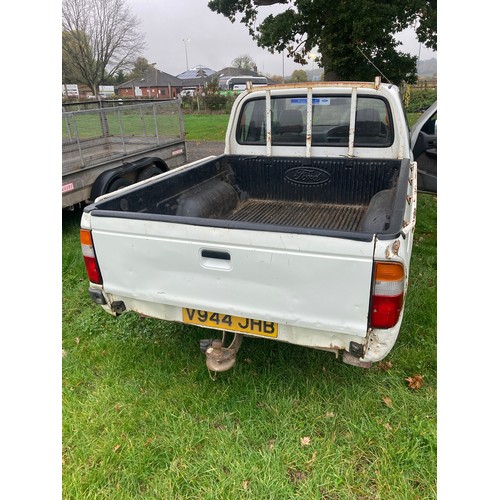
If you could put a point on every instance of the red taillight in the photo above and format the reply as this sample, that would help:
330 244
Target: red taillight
388 294
89 257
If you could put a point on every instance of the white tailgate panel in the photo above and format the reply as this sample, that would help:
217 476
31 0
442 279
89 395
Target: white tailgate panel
301 280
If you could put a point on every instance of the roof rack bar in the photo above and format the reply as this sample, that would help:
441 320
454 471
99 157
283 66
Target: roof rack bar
352 122
268 123
309 122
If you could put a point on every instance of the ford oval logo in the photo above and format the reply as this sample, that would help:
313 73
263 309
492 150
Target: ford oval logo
309 176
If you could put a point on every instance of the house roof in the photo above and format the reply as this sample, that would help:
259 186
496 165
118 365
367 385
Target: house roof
196 72
235 72
153 78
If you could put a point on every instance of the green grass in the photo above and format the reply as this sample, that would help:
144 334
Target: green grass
142 418
412 118
122 122
198 127
206 127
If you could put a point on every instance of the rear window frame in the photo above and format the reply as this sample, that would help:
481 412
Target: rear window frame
387 144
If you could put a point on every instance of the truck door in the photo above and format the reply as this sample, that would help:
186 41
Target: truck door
424 146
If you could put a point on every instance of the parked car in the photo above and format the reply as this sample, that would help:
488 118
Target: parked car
187 93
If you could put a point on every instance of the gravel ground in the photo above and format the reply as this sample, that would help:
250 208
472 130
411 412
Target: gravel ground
196 150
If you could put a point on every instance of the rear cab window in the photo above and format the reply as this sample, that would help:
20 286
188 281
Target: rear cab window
330 121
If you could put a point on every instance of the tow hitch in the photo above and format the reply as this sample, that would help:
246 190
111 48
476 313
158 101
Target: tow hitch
220 358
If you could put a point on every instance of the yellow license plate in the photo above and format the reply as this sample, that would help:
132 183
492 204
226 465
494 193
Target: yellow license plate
229 322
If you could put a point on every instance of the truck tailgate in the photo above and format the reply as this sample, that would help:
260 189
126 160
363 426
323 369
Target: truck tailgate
300 280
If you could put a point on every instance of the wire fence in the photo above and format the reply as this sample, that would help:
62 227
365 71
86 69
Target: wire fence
92 136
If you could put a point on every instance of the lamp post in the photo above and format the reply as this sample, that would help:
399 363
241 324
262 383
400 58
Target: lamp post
186 40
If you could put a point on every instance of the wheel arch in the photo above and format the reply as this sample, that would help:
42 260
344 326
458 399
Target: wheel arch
105 179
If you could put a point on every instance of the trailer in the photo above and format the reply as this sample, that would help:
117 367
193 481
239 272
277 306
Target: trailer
105 149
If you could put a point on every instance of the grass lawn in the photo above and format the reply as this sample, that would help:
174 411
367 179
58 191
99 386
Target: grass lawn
206 127
122 121
198 127
142 418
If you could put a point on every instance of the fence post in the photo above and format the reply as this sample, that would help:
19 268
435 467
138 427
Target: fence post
103 120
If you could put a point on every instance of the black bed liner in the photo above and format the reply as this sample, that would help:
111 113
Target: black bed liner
357 197
300 214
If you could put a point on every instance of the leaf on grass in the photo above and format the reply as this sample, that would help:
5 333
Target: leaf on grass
305 441
387 426
64 353
313 458
415 382
388 401
384 366
77 340
329 414
116 447
271 444
245 485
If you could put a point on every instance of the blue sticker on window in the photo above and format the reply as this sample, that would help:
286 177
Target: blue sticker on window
317 101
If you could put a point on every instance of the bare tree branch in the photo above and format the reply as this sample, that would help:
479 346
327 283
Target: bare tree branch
102 38
268 2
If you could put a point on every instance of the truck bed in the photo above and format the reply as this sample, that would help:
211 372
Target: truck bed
358 197
300 214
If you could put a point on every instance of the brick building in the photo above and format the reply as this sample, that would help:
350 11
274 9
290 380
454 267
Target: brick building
154 84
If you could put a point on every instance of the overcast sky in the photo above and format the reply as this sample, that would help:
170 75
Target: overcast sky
213 40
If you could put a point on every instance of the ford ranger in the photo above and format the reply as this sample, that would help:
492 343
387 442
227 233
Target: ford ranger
300 232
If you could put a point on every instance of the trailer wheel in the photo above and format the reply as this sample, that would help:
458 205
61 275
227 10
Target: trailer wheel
148 172
118 183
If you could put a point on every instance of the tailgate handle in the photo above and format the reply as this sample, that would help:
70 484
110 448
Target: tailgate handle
216 254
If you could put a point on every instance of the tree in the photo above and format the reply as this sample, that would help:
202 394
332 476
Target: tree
141 67
355 38
244 62
70 72
100 38
276 78
299 75
118 79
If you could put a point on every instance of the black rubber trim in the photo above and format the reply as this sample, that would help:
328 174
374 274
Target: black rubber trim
228 224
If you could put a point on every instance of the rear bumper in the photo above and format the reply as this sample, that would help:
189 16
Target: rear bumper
373 347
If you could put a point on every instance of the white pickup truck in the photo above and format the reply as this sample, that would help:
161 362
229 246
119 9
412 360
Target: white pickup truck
300 232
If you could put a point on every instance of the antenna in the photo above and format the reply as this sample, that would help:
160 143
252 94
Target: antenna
368 59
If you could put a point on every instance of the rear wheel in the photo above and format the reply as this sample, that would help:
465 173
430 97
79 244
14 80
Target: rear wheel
118 184
148 172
